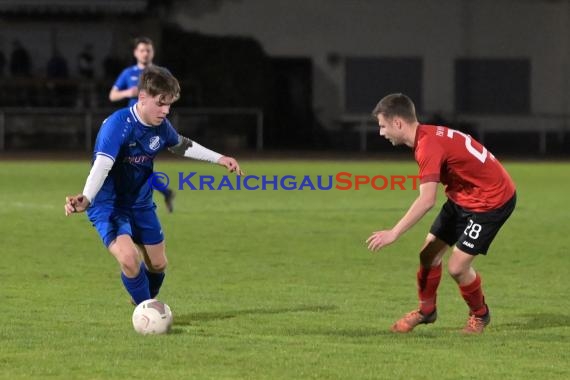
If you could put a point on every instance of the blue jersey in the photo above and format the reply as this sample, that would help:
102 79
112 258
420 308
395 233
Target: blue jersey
129 78
132 146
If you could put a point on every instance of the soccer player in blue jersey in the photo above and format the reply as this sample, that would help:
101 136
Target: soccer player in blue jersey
117 194
126 87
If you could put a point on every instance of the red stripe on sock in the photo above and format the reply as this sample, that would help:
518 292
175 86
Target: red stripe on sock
428 281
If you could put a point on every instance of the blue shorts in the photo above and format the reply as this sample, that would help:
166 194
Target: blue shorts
141 225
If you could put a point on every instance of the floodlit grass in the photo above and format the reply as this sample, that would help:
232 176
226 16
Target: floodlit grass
277 284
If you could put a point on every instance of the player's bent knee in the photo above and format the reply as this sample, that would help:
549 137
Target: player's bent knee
158 266
130 266
456 271
459 265
129 261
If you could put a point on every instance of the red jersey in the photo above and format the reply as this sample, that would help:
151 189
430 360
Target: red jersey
473 178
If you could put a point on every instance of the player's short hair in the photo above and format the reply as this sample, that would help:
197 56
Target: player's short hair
396 105
141 40
156 80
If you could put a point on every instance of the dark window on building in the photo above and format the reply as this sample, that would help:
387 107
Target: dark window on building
368 79
492 86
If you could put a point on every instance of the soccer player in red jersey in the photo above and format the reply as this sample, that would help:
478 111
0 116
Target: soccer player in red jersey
481 196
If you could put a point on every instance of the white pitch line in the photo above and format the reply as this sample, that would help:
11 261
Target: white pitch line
31 205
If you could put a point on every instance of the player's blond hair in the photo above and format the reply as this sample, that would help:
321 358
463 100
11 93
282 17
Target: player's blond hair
156 80
396 105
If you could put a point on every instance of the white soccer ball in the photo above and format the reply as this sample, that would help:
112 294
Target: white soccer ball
152 317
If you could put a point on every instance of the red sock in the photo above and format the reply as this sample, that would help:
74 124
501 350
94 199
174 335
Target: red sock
428 281
473 295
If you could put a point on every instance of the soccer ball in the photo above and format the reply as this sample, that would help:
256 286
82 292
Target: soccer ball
152 317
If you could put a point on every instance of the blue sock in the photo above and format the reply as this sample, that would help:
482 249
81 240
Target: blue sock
155 280
137 287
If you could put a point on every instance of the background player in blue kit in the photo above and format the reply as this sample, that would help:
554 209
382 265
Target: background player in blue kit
117 194
127 84
127 87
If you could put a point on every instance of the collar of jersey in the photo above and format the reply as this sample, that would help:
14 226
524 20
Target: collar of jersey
416 137
137 117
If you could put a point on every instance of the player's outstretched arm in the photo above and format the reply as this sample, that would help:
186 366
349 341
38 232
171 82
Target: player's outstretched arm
423 203
99 171
191 149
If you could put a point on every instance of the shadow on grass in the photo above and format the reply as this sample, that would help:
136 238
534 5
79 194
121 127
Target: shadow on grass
537 321
187 319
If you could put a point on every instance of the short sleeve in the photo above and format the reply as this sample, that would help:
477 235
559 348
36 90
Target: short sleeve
171 137
430 160
122 81
111 137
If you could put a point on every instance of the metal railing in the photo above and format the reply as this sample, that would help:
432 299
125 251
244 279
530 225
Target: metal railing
257 113
81 122
482 125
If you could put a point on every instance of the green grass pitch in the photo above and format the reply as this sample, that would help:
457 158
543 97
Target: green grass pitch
277 284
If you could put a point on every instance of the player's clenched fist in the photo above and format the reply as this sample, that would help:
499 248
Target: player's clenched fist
231 164
77 203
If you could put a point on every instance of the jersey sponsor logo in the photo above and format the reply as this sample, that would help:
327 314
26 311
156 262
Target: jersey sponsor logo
154 143
137 159
132 144
468 244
